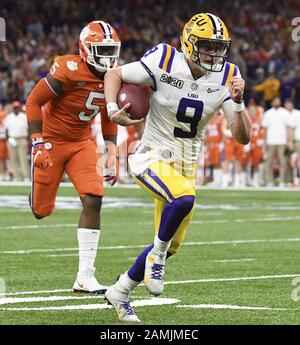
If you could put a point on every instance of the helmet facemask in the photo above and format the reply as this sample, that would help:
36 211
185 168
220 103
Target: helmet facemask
209 54
102 55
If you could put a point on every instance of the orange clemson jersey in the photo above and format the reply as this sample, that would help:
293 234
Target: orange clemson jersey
258 132
214 129
69 116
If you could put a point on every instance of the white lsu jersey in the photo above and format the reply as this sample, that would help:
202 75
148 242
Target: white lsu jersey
180 106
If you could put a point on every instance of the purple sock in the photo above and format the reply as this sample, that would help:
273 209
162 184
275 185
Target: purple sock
136 271
172 215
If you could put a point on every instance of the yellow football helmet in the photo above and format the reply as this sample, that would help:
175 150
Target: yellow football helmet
205 41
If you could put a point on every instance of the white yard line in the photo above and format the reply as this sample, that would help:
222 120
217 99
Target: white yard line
38 226
234 260
200 243
214 221
211 280
228 306
243 220
59 255
13 300
138 303
207 280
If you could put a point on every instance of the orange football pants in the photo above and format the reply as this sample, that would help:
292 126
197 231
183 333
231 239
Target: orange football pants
80 160
233 150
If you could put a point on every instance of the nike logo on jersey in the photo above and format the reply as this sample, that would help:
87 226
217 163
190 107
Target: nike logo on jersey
209 90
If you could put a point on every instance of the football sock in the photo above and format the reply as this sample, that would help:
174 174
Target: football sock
172 215
160 248
88 244
124 286
136 271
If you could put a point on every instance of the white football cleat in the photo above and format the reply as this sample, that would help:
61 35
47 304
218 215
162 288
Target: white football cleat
123 308
86 282
154 274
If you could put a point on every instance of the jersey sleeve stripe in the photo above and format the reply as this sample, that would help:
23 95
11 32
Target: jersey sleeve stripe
227 66
167 59
230 74
169 66
235 72
163 55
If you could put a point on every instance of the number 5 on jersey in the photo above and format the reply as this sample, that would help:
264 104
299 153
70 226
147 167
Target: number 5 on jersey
90 106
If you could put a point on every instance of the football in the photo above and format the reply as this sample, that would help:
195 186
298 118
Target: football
139 98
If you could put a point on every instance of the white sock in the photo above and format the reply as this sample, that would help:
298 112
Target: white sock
88 244
124 286
160 248
225 180
256 179
217 176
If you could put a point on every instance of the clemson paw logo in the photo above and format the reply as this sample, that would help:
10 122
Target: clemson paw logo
72 65
48 146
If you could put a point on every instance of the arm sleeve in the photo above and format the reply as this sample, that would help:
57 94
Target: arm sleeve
108 127
40 95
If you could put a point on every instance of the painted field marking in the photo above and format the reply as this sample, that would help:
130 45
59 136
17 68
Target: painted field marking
211 280
200 243
13 300
243 220
228 306
40 226
233 260
206 280
213 221
138 303
59 255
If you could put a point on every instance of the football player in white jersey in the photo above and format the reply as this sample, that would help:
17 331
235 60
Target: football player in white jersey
188 88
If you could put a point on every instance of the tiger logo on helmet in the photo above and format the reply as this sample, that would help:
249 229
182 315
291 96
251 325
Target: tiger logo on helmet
99 45
205 41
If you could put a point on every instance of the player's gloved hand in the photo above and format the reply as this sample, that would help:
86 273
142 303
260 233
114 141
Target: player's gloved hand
40 156
112 170
120 116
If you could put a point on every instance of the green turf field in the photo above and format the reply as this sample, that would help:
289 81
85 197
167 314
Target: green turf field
237 265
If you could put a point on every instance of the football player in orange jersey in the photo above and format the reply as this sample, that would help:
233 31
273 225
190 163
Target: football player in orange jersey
60 111
214 140
256 153
233 153
3 145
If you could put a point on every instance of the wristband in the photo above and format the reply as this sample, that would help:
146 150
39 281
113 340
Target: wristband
37 139
238 107
112 107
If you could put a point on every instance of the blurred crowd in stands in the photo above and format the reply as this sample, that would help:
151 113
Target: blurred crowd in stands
262 45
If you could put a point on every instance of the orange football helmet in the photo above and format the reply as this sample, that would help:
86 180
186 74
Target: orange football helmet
99 45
